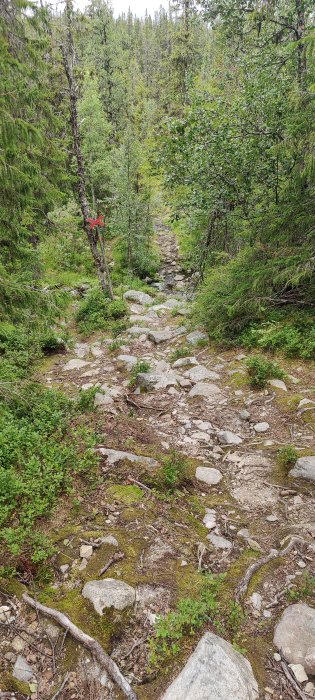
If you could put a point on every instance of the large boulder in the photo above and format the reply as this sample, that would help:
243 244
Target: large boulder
304 468
139 297
295 636
215 671
109 593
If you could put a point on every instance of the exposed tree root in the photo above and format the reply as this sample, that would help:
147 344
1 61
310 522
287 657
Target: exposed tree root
273 554
91 644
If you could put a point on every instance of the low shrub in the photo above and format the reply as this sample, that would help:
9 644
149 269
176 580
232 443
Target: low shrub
260 370
96 311
174 470
287 456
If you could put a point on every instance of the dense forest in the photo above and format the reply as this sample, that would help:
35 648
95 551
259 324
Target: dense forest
143 157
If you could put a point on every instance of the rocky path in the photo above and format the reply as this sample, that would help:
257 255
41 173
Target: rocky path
232 505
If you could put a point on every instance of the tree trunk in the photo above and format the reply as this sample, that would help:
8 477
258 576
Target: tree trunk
92 234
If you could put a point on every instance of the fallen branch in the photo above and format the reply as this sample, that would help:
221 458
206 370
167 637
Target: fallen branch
293 682
64 682
273 554
88 642
139 483
116 557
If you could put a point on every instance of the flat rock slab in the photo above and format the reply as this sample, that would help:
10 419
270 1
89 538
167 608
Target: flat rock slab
204 390
219 542
261 427
138 330
75 364
200 373
304 468
102 400
115 456
185 362
208 475
215 671
139 297
158 337
127 361
109 593
157 380
226 437
278 384
195 337
22 671
295 636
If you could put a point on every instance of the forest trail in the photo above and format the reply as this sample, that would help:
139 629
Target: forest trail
231 506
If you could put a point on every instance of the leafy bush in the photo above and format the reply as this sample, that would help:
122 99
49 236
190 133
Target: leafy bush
86 399
174 470
97 310
287 457
260 370
190 614
138 368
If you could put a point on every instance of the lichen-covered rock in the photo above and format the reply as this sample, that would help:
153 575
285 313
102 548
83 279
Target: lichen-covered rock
208 475
195 337
200 373
115 456
215 671
109 593
206 391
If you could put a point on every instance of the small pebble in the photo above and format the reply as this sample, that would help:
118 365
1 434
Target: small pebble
301 564
277 657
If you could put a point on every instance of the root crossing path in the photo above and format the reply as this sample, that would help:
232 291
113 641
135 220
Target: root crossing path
189 485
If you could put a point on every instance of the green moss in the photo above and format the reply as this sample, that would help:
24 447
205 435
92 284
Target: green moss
10 684
125 494
12 587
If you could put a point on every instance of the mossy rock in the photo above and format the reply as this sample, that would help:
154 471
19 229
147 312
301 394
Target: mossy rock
10 684
125 494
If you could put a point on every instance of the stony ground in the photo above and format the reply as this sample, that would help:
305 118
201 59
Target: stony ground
234 504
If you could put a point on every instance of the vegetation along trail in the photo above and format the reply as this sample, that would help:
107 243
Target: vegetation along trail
157 379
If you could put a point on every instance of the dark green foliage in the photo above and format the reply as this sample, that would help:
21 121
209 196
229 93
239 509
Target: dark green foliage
287 457
304 589
39 452
183 351
86 399
174 470
260 370
97 311
292 335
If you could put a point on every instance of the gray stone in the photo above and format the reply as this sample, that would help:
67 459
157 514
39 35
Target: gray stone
245 415
200 373
215 671
110 539
86 551
22 671
138 330
305 402
208 475
158 551
304 468
139 297
75 364
210 519
261 427
256 601
295 636
195 337
299 672
127 361
157 380
278 384
219 542
115 456
137 318
226 437
204 390
185 362
255 460
160 336
109 593
101 399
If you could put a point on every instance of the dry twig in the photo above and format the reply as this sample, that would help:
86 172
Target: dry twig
116 557
91 644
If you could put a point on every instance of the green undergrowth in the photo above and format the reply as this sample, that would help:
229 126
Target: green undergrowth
209 605
98 312
287 457
42 446
182 351
303 589
260 370
293 336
